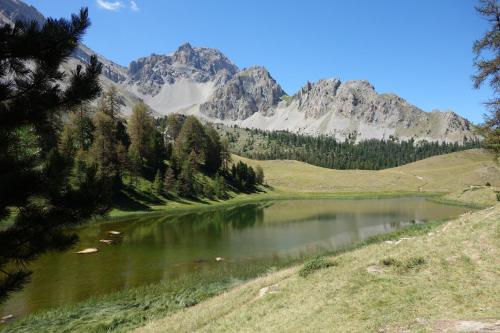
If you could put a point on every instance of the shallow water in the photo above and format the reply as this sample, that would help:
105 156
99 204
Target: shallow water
152 249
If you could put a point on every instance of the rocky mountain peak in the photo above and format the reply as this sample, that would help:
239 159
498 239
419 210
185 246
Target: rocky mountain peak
184 54
196 64
249 91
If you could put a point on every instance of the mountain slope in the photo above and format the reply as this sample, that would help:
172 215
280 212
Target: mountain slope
354 110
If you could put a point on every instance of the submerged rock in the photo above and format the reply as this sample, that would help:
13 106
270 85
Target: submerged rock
6 318
89 250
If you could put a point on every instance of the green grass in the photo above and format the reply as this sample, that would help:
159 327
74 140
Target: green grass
130 308
121 311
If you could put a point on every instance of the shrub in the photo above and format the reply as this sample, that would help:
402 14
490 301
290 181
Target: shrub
315 264
404 265
414 262
389 261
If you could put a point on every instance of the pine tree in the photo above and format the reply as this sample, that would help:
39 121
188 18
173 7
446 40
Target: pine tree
169 181
259 175
487 69
134 165
225 154
192 140
77 133
104 146
141 131
174 125
30 165
214 150
220 187
187 186
158 183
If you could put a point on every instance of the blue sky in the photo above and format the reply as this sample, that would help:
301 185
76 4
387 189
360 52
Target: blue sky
420 50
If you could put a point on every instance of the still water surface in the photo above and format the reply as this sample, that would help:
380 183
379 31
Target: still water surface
152 249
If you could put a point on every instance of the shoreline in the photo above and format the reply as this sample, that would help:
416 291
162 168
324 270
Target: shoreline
271 195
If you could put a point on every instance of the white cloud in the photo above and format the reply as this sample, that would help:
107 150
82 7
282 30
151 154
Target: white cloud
133 6
110 5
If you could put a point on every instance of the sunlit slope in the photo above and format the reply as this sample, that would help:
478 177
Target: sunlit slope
444 173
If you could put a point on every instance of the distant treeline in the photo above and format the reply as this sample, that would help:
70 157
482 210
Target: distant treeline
326 151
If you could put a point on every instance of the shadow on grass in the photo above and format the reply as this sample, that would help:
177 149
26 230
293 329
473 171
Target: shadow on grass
130 199
124 202
145 197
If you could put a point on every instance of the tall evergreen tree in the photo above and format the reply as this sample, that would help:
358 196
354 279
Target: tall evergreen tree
214 150
35 177
225 154
488 70
220 187
192 140
186 186
259 175
158 183
107 149
141 131
169 180
78 132
174 125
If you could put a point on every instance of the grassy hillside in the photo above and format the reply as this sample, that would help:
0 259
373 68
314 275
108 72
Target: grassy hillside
453 172
446 279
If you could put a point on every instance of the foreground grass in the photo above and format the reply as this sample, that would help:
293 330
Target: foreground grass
130 308
422 284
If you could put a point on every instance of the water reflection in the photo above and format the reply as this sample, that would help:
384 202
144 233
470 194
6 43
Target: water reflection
162 248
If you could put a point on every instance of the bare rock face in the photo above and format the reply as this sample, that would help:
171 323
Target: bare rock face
110 70
200 65
355 109
14 10
250 91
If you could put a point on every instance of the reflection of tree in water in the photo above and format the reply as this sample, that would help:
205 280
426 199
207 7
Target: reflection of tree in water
213 224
